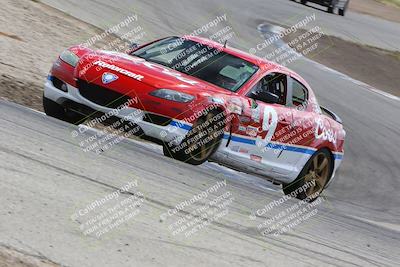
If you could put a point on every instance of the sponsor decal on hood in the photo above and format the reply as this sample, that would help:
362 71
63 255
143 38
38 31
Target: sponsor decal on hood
119 70
150 65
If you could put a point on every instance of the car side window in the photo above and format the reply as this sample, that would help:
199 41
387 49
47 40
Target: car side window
299 94
275 83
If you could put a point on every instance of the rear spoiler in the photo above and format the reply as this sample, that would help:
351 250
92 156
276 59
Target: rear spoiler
333 115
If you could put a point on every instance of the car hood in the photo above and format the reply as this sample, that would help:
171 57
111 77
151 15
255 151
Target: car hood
136 72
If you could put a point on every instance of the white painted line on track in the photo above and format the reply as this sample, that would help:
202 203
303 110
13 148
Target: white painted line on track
36 111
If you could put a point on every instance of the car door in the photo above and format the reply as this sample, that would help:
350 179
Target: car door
262 129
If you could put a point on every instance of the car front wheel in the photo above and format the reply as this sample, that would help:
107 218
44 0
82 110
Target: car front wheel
201 141
342 10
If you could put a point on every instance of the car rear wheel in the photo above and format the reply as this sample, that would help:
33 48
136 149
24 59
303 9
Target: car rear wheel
330 9
343 10
201 141
313 178
55 110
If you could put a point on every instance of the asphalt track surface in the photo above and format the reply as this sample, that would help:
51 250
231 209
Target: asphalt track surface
46 176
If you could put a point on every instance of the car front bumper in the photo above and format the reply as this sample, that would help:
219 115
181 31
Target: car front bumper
173 132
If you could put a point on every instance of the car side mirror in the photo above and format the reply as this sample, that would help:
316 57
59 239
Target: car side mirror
266 97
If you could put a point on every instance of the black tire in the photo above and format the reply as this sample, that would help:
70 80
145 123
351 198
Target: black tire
330 9
342 11
201 141
312 192
57 111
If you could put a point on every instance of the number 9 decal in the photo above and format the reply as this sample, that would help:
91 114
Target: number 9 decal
269 124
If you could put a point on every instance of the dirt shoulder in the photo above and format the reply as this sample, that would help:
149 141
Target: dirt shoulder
377 9
13 258
26 55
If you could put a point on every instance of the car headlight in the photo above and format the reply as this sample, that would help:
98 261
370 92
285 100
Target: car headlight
172 95
69 57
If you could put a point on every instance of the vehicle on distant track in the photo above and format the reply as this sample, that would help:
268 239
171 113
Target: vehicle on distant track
340 5
204 101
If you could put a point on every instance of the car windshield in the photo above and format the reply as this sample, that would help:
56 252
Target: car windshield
200 61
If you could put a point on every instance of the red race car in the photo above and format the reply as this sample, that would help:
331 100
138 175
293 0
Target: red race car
205 101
